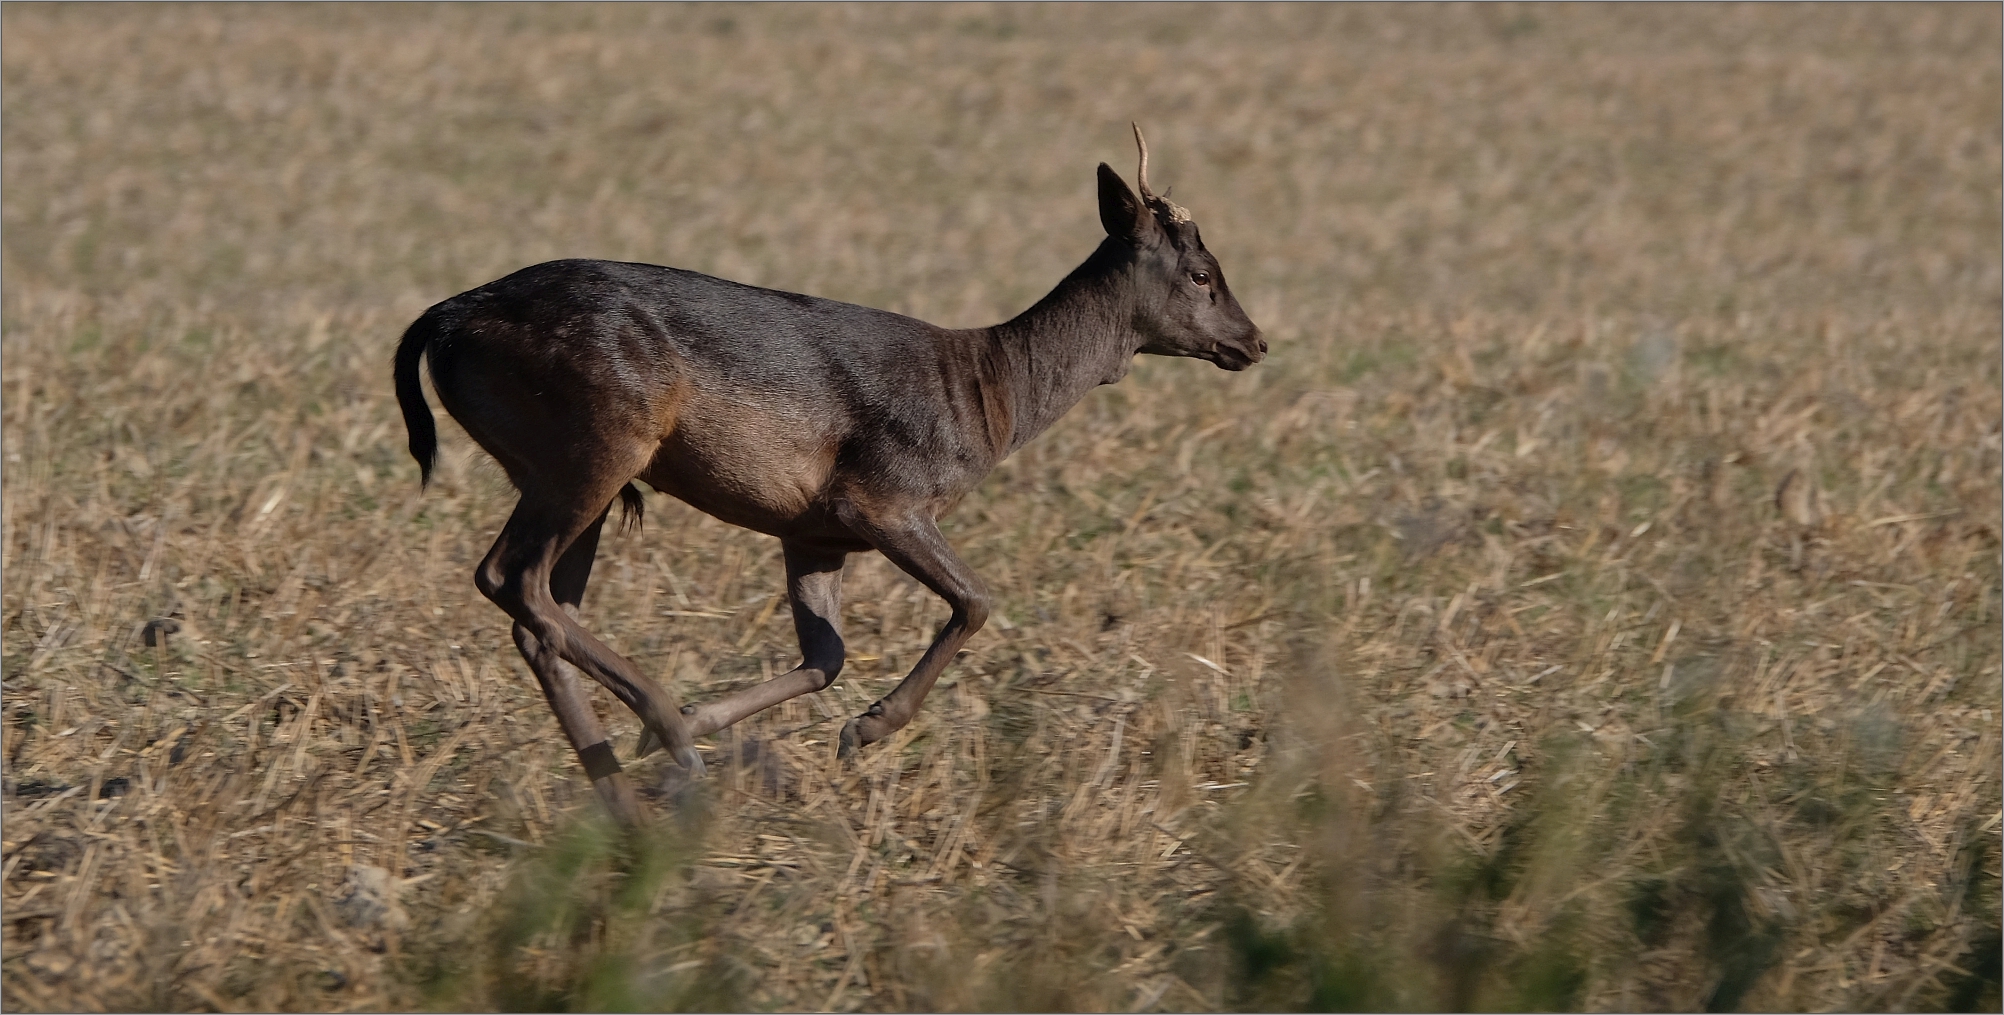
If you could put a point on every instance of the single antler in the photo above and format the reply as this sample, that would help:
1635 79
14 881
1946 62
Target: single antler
1141 174
1159 202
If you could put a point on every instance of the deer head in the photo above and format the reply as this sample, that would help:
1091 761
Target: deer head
1182 305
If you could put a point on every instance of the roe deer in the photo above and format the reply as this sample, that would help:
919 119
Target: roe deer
837 428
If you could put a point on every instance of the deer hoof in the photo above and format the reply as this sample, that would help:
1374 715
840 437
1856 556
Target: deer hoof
862 731
690 760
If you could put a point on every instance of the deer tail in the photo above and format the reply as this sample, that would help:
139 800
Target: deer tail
410 396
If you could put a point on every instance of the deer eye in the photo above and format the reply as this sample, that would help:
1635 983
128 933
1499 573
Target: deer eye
1201 277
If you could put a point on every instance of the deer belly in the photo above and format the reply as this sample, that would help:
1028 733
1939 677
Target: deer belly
752 469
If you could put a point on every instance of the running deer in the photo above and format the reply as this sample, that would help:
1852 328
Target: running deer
837 428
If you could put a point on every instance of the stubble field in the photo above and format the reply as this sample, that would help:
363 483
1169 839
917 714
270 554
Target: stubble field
1591 604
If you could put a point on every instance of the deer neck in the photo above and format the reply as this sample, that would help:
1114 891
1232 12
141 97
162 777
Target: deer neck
1075 339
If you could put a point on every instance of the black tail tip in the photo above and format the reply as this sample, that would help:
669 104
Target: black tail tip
427 459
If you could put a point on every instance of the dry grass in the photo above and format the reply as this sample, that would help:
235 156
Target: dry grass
1593 603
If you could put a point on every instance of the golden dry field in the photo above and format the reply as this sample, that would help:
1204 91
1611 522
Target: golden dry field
1592 603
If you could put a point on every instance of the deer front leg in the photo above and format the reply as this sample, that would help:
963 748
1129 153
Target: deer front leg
814 589
915 545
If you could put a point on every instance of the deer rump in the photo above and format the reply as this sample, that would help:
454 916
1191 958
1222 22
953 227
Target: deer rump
834 427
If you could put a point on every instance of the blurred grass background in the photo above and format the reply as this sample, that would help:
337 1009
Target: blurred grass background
1593 602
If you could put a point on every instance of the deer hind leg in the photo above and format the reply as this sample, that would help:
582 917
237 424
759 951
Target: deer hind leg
916 546
814 589
565 691
516 576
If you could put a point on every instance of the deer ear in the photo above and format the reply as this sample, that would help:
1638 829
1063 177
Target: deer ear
1121 211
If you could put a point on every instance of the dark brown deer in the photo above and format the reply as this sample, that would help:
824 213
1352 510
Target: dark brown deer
837 428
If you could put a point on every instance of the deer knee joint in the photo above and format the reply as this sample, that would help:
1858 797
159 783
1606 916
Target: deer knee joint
974 610
491 581
830 667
